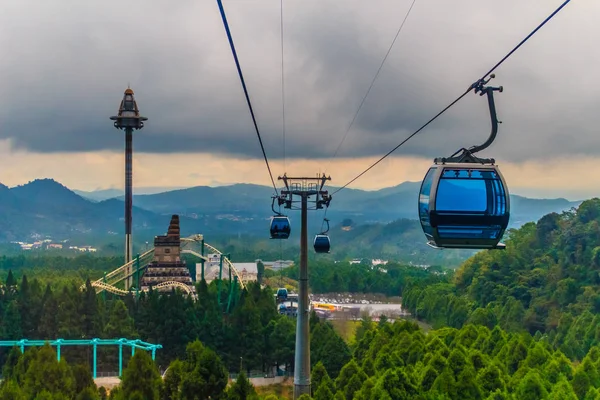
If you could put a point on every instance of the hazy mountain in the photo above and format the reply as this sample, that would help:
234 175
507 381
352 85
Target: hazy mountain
105 194
100 195
385 205
45 207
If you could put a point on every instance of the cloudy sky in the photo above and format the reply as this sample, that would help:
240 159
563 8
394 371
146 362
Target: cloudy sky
65 64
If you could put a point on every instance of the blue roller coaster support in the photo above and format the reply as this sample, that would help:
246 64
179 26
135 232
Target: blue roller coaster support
58 343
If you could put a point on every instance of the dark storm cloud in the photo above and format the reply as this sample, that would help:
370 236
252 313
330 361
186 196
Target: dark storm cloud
65 66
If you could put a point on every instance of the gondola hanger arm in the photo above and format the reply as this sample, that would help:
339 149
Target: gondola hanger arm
479 87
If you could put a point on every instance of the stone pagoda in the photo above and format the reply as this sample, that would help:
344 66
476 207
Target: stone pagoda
167 264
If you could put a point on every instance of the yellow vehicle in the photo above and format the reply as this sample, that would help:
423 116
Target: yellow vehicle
324 306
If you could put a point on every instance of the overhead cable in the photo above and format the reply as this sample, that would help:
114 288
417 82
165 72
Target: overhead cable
459 98
362 102
374 78
282 85
239 69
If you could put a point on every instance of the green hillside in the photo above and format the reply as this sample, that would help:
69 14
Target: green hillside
546 280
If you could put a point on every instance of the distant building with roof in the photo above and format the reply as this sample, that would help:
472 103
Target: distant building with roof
248 271
277 265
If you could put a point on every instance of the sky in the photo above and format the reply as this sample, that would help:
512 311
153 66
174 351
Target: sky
65 65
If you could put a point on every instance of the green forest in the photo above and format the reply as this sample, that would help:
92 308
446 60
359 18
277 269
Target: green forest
545 281
521 323
389 279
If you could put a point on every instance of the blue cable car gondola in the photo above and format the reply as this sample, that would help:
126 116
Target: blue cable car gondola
282 294
280 227
280 224
464 201
464 206
322 243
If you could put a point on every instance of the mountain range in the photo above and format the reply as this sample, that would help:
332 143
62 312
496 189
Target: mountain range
384 205
45 207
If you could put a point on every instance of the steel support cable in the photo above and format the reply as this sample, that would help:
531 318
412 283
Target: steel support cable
460 97
282 87
239 69
362 102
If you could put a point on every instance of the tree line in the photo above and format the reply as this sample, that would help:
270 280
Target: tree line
389 279
197 373
252 331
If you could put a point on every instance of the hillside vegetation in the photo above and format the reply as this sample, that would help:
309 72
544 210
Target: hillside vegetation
546 280
398 361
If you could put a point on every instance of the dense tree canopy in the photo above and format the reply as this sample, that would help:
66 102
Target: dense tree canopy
546 280
389 279
398 361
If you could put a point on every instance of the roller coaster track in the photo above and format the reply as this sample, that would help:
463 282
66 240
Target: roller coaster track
229 264
110 281
162 285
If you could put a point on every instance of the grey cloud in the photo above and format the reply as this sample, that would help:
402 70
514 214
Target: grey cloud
66 64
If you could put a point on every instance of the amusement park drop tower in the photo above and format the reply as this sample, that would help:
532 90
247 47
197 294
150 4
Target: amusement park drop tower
128 118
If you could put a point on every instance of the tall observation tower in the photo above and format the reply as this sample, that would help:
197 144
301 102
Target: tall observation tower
128 118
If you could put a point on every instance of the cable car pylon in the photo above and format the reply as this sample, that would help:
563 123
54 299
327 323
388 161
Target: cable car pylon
308 190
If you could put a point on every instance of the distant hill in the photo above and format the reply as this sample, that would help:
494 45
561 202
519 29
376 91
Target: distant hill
385 205
105 194
46 207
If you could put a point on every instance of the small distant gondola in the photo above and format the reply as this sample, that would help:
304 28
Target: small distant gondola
322 244
464 201
280 227
280 224
282 294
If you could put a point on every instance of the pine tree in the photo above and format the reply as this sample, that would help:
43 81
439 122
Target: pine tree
11 323
242 389
89 312
172 380
48 323
141 377
10 390
120 324
204 373
46 373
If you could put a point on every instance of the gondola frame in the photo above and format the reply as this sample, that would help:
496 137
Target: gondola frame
434 239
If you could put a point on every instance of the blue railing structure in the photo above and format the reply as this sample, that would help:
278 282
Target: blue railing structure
134 344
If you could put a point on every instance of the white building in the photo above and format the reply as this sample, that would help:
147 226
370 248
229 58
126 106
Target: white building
247 271
277 265
211 268
378 262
